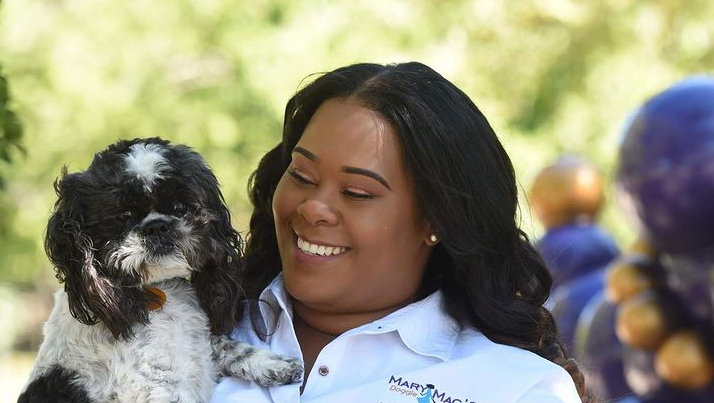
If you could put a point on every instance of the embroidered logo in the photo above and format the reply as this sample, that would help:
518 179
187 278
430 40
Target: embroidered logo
423 393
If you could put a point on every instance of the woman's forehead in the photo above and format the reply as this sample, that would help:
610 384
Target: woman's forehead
346 125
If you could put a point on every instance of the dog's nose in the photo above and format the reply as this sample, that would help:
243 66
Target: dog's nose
156 227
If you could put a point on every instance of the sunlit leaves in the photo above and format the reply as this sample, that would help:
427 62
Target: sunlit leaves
552 76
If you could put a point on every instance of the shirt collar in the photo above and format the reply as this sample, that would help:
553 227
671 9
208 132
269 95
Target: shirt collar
423 326
275 295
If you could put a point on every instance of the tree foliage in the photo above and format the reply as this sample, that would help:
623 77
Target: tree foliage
10 129
553 77
10 136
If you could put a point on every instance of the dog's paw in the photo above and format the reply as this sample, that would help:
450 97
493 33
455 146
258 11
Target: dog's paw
264 367
278 370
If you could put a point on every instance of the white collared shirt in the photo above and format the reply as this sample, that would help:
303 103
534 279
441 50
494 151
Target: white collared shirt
398 359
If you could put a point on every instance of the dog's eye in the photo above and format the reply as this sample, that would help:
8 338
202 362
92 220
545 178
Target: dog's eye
180 209
125 216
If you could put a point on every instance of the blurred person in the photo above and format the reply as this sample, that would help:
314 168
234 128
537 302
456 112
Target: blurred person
567 197
383 251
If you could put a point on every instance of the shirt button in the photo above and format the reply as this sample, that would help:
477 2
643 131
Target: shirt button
323 370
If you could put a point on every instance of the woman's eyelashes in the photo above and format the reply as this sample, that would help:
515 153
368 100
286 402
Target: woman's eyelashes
352 193
300 177
355 194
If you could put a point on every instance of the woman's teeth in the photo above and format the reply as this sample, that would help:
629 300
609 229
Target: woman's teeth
320 250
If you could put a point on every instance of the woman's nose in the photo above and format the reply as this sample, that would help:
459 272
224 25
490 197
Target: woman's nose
317 212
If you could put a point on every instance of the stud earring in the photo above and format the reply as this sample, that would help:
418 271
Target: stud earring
433 238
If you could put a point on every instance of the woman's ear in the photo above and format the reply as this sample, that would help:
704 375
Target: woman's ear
432 239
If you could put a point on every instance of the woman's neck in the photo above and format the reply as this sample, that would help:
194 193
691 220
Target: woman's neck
336 323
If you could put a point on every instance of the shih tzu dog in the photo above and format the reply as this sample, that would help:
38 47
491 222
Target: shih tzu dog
143 243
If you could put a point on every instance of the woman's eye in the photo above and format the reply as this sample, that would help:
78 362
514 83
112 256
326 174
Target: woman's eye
357 195
180 209
299 177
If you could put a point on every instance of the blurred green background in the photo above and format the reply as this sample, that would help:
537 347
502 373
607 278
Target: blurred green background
553 76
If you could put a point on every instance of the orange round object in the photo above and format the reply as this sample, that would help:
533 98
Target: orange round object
683 361
568 191
642 322
624 279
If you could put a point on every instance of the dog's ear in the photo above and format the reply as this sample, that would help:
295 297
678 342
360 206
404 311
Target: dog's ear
217 283
92 296
70 250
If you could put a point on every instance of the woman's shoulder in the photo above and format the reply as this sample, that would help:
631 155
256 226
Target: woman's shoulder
472 344
475 369
500 365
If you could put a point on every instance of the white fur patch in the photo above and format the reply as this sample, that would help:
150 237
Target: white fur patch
153 215
147 162
167 267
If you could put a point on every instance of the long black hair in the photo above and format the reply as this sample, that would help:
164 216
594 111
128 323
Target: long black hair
490 275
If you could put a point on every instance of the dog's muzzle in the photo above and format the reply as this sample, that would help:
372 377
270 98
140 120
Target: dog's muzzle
159 236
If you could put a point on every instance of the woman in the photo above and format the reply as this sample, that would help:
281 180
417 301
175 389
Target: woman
384 248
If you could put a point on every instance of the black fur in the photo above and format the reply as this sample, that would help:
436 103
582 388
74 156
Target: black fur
55 386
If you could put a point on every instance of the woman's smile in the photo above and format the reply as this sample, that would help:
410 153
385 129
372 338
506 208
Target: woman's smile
316 251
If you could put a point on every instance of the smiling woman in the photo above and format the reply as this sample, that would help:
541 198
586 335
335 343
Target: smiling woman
346 188
384 245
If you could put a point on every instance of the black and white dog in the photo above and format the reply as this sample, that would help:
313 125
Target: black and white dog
143 242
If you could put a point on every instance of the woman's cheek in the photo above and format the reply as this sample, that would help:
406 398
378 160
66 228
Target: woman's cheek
279 199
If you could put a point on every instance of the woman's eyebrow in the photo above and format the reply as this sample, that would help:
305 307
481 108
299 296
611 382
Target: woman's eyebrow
312 157
366 172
